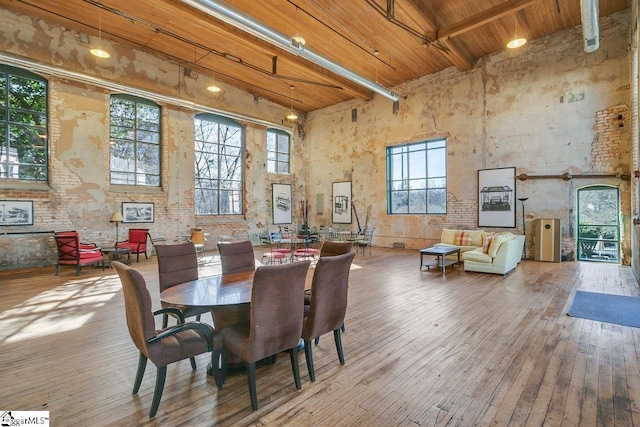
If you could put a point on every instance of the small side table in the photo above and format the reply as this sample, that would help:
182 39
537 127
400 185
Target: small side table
117 254
440 253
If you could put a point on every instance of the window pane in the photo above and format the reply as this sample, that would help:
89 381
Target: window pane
421 169
23 125
135 138
278 152
218 177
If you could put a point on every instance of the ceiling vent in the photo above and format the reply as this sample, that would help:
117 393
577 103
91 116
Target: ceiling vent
590 29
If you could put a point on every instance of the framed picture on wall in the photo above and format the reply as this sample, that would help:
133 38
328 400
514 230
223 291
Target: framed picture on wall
281 203
496 197
16 212
341 203
137 212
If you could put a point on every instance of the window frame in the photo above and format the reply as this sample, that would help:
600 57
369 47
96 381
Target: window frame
42 131
138 101
277 134
219 190
410 183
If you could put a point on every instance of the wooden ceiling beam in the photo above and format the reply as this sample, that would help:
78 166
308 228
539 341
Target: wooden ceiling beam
482 18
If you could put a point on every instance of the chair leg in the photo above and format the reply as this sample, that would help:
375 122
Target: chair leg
157 393
58 269
342 327
293 354
316 341
142 364
338 340
193 363
165 320
251 379
77 269
216 365
308 355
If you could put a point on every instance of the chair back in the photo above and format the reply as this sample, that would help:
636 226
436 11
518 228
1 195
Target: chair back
176 264
68 244
236 257
330 248
138 307
197 237
277 307
138 235
328 303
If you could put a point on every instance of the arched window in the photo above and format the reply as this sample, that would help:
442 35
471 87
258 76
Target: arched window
23 125
135 141
219 145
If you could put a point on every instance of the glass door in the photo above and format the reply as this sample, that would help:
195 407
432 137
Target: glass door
598 224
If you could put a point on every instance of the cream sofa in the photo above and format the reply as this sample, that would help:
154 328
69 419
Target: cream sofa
466 240
503 255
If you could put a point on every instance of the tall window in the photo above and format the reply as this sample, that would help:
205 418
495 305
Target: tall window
135 141
218 165
23 125
278 143
417 178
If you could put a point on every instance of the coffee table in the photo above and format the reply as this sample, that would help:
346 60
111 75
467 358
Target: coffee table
440 252
117 254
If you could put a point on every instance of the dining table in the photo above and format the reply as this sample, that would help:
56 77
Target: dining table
222 293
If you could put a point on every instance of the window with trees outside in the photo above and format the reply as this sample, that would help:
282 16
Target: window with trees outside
218 165
417 178
23 125
278 149
135 141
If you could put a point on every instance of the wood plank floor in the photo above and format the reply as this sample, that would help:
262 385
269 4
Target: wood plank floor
420 349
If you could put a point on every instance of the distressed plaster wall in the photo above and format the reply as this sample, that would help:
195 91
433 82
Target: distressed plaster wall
79 196
536 109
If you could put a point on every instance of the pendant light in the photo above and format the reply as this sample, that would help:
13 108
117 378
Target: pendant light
291 115
97 50
517 41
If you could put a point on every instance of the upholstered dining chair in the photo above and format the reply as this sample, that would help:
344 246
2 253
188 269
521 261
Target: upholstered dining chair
165 346
330 248
198 238
178 264
236 257
137 242
275 324
74 253
328 304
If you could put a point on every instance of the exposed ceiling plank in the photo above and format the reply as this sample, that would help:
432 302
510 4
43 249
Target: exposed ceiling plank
483 18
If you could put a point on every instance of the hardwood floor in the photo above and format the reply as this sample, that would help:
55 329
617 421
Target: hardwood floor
420 350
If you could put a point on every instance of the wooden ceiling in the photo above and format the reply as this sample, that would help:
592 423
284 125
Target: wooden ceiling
384 41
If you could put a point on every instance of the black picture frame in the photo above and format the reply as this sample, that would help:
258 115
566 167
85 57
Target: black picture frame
16 212
137 212
341 203
281 204
496 197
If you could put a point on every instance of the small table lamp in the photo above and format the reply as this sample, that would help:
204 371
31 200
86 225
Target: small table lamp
117 218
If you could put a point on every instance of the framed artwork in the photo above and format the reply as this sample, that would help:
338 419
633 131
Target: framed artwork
16 212
341 203
281 203
137 212
496 197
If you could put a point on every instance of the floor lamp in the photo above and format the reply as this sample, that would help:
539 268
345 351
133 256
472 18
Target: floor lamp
524 228
117 218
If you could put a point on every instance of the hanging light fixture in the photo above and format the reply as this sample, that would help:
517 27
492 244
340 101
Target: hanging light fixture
98 51
517 41
213 87
291 115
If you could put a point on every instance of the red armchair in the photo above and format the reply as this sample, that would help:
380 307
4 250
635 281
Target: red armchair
72 252
137 242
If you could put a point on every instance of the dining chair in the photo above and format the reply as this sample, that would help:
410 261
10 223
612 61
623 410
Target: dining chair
165 346
328 304
178 264
330 248
275 323
198 238
236 257
364 241
137 242
272 254
74 253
